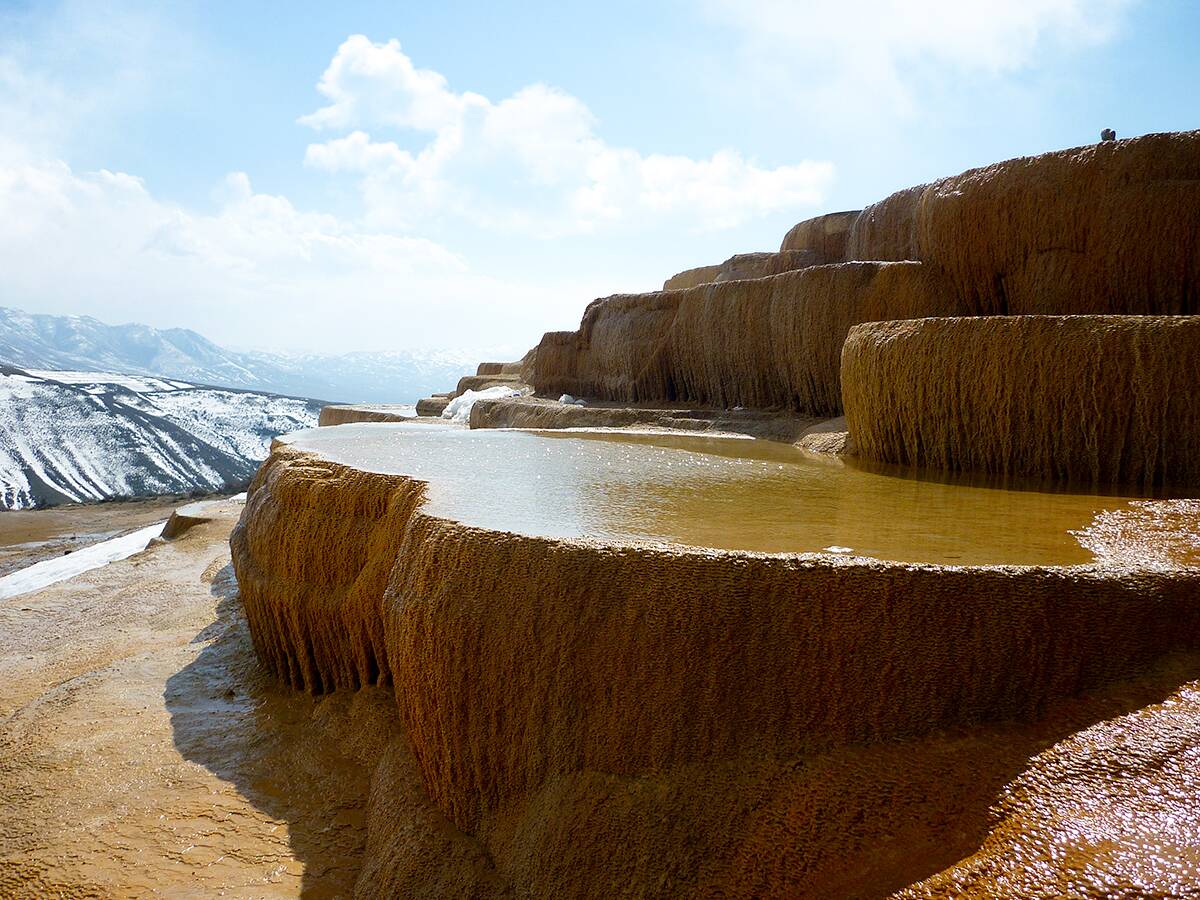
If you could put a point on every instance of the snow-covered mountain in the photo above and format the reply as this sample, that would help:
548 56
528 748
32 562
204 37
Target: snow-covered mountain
79 436
86 344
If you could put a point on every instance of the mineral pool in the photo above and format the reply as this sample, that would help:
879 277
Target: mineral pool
719 493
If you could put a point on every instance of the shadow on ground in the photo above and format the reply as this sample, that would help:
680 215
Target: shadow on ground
859 821
303 762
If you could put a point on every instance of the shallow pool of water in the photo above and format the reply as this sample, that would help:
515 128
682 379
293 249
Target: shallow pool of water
710 492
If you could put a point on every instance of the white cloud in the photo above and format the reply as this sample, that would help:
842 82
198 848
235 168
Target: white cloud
530 161
872 53
67 67
255 272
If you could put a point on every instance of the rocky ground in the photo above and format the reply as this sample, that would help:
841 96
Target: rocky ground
30 536
150 754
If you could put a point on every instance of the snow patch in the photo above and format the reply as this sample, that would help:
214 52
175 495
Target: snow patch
459 409
52 571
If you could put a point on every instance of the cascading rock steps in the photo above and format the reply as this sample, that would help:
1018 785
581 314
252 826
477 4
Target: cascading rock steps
768 342
668 721
1109 228
1080 399
519 663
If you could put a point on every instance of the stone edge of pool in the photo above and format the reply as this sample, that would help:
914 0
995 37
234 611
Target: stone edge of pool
516 659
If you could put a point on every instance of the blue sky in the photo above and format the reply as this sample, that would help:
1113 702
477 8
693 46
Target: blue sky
397 175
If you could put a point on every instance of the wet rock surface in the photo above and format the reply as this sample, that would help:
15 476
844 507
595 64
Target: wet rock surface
721 725
143 750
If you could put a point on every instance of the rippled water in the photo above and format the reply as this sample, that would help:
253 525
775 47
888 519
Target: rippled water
712 492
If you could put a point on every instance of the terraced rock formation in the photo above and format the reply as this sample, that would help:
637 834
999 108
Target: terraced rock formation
770 342
664 721
366 412
1100 229
1095 230
1082 399
690 278
529 671
825 236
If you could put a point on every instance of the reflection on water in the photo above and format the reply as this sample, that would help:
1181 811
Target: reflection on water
706 492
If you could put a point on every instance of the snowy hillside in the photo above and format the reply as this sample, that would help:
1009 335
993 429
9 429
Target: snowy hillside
81 342
80 436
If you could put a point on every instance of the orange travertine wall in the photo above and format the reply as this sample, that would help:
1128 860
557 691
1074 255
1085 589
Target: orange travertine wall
515 659
535 677
1086 399
1106 228
772 342
824 235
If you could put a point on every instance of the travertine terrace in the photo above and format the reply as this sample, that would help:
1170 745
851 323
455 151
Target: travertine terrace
1084 399
1106 229
732 661
609 717
770 342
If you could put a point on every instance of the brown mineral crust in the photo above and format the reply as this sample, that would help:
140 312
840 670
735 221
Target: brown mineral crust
825 236
499 368
887 230
432 406
742 266
690 278
1085 399
346 413
324 537
764 265
770 342
616 353
412 849
538 413
517 661
483 382
1106 228
1107 812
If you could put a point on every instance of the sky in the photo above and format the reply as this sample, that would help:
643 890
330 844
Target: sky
467 175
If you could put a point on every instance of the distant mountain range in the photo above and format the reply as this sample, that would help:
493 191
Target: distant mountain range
83 436
86 344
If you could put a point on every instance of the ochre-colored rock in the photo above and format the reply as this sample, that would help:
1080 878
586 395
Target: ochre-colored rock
365 412
769 342
499 368
628 719
543 413
432 407
690 278
764 265
1085 399
824 236
1106 228
745 265
483 382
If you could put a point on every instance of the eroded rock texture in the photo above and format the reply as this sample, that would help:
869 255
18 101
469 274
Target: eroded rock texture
1107 228
700 722
690 278
1104 229
772 342
343 414
825 236
1089 399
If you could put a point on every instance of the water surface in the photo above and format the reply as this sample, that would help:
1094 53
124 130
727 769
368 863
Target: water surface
712 492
